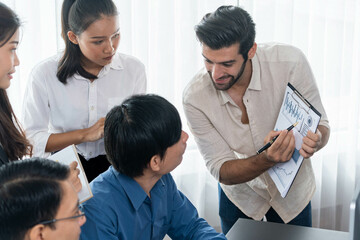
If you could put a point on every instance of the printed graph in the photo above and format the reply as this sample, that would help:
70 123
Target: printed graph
294 109
294 112
283 174
291 110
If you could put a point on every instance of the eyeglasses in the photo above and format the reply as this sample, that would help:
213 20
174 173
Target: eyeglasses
79 215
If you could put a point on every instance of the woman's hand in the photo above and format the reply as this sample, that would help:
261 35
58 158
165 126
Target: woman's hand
95 132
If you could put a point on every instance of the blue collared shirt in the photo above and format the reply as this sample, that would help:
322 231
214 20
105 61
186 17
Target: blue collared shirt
120 209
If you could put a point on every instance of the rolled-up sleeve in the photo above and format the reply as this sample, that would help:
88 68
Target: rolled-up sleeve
211 144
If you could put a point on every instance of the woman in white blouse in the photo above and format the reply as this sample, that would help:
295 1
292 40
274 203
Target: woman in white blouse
13 143
69 95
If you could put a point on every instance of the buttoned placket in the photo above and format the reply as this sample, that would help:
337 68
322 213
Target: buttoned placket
148 203
92 109
249 109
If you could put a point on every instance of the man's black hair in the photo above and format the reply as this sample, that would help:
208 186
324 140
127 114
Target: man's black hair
226 26
141 127
30 192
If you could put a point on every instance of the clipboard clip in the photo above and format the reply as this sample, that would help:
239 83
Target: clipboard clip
302 99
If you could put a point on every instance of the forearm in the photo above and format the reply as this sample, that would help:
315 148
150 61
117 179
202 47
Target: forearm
58 141
243 170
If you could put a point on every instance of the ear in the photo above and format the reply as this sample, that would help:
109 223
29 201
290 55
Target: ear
252 51
72 37
36 232
154 163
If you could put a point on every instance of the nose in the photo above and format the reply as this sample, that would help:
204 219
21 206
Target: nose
16 60
184 136
109 47
216 71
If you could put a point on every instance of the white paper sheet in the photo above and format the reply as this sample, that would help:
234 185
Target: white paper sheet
294 109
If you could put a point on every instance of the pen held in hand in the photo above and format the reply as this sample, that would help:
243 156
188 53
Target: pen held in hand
266 146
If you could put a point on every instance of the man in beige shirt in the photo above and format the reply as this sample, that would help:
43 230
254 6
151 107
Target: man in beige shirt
232 105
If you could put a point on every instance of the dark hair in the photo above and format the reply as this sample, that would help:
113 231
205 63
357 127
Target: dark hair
9 23
141 127
12 137
30 192
226 26
77 16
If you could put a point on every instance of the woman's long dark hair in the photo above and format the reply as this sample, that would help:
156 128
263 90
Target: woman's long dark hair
77 16
12 137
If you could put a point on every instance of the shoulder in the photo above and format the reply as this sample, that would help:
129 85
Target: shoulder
104 185
48 65
279 52
168 179
199 89
45 69
107 189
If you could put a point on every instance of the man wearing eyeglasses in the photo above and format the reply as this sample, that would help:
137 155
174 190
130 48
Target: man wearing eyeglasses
38 202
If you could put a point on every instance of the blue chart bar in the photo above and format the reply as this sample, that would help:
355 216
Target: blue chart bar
296 155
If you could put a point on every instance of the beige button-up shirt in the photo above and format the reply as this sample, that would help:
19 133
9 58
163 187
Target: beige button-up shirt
215 121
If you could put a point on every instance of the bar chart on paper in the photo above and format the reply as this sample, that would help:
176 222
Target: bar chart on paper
294 109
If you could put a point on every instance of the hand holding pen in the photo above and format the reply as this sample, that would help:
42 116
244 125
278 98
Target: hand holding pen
267 145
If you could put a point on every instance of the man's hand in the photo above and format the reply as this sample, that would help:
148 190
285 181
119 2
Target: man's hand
311 143
74 176
283 147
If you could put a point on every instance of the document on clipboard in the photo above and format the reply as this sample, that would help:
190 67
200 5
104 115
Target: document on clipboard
295 108
67 156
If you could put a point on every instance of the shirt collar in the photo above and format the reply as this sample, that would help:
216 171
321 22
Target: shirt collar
255 83
224 97
134 191
116 64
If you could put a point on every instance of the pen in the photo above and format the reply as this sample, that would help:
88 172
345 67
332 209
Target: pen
266 146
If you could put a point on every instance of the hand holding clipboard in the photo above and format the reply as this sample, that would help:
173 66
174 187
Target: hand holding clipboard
295 108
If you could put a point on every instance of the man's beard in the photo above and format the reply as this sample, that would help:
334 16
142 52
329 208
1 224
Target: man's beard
233 80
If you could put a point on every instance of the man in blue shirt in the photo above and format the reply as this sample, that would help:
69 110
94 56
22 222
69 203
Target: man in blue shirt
137 198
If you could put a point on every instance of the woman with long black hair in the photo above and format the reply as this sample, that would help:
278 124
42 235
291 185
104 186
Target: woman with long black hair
13 143
69 95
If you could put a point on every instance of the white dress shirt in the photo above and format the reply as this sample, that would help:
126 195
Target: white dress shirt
215 121
53 107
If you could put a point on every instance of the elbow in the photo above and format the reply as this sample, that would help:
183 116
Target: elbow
226 182
230 181
224 177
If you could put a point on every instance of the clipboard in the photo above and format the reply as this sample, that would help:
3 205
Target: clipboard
294 108
67 156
